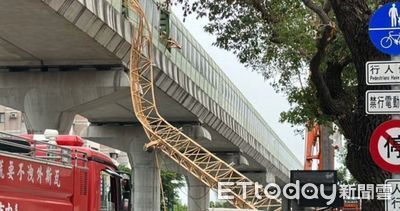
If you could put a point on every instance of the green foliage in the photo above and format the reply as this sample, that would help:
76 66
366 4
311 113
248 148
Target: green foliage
124 169
344 176
277 39
171 182
180 207
216 204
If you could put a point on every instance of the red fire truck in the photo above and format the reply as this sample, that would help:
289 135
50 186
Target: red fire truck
56 174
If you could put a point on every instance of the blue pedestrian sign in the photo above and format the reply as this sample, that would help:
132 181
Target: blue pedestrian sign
384 28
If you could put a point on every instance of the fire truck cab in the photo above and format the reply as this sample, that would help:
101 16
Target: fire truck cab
57 173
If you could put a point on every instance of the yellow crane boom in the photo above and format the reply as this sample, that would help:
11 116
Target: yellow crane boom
186 152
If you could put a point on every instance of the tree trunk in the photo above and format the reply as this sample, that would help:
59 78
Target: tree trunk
359 161
353 18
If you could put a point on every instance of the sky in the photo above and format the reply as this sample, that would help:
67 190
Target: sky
258 91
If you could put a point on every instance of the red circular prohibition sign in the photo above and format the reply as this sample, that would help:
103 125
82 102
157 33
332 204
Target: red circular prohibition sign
381 131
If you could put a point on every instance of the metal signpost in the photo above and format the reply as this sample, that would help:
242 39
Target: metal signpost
384 32
396 116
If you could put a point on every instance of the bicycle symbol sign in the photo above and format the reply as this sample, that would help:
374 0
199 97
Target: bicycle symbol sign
384 28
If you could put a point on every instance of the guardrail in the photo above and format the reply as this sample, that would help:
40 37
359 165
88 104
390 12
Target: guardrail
42 151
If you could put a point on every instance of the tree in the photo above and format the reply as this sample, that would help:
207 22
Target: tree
343 173
124 169
180 207
171 181
315 52
218 204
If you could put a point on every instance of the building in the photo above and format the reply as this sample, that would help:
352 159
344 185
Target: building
11 121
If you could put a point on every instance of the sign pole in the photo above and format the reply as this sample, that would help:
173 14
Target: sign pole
395 116
384 32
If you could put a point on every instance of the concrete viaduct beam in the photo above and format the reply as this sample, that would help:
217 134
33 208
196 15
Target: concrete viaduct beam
50 99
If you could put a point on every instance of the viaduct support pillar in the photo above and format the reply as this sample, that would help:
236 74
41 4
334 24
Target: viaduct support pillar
145 174
285 204
146 177
198 193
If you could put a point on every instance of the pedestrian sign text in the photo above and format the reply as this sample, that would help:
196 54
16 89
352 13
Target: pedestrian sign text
382 102
383 73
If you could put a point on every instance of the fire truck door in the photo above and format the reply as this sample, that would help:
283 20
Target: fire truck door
110 196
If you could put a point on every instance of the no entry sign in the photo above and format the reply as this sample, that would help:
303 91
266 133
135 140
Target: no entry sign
385 146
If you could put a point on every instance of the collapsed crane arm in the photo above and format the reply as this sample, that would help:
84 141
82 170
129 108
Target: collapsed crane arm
183 150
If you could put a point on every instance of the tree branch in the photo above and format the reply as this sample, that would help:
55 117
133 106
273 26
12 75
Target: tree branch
319 11
352 18
258 5
327 6
329 105
333 77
